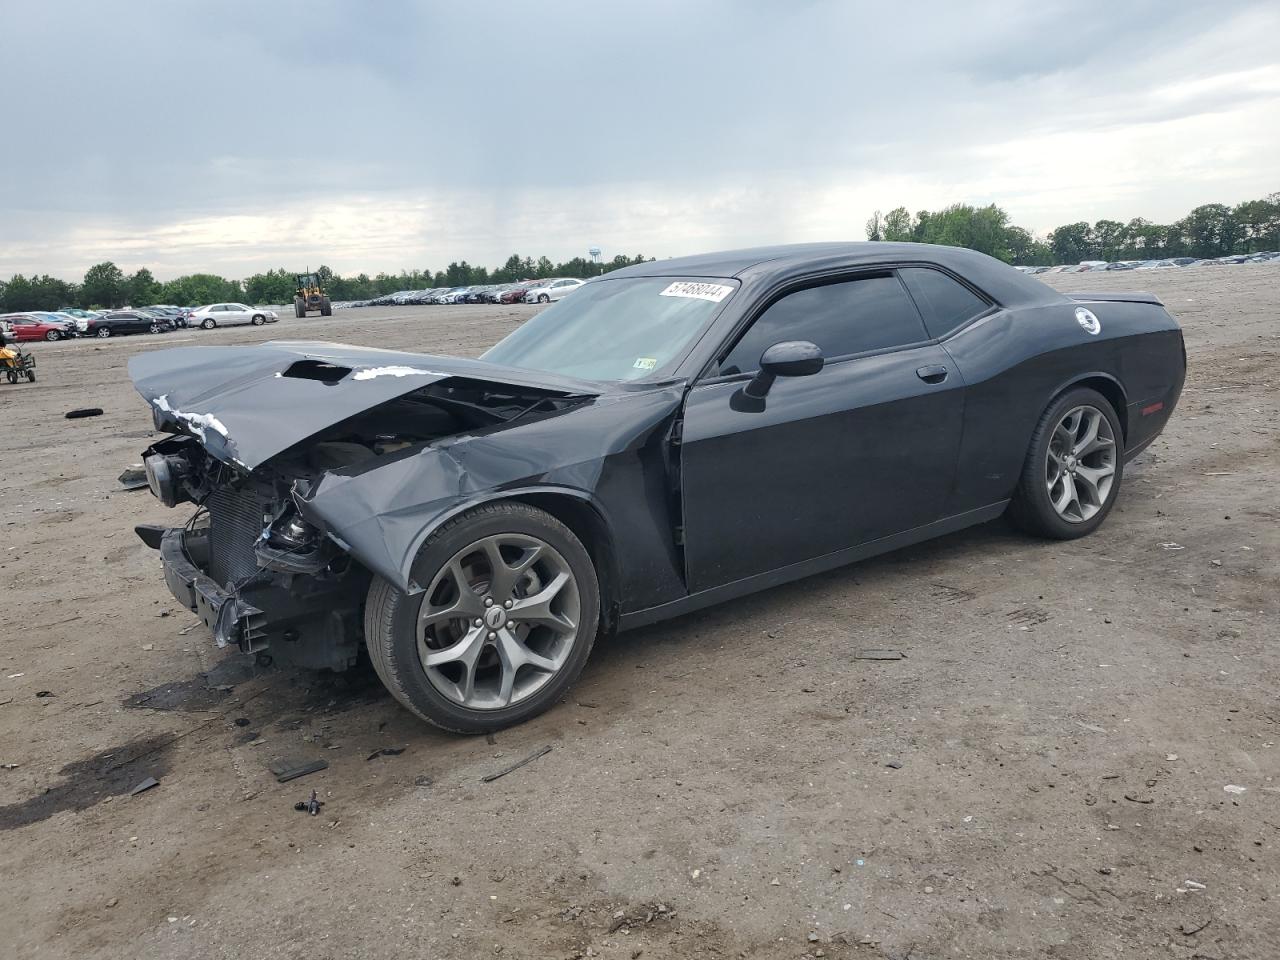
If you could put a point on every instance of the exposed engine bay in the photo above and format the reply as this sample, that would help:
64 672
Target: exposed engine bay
260 574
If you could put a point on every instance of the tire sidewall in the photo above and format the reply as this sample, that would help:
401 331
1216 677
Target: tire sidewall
402 649
259 319
104 332
1035 490
207 323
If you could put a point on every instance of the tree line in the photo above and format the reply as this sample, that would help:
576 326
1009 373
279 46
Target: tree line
1210 230
106 285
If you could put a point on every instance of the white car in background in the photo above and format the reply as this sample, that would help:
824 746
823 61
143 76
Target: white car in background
229 314
552 290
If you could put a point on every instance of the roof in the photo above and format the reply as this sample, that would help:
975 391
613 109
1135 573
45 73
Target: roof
753 264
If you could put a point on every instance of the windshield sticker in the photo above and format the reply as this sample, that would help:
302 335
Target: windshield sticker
715 292
645 363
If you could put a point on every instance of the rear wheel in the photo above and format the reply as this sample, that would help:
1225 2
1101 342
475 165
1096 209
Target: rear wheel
12 376
208 323
299 308
1073 470
504 627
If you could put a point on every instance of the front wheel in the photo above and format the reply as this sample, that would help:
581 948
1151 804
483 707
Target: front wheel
11 376
52 335
31 376
543 298
207 323
259 319
104 332
1072 473
506 623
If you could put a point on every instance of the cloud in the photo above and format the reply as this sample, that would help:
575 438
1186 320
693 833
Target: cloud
239 136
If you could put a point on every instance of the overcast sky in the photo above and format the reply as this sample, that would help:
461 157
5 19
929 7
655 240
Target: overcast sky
188 136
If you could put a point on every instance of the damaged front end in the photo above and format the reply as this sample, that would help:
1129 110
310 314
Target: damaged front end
248 566
249 451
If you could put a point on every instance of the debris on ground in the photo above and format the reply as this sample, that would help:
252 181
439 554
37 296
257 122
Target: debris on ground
894 764
242 721
542 751
1189 928
81 412
286 770
385 752
134 477
145 785
45 693
879 655
422 781
1232 788
1173 546
311 805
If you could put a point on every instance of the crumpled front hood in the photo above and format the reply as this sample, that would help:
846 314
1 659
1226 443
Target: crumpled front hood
247 404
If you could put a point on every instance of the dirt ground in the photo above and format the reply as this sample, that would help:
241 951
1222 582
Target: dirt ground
1076 758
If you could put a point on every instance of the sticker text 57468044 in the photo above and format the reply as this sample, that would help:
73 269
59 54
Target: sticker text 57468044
715 292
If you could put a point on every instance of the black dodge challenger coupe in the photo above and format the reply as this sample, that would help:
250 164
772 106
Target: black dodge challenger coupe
674 434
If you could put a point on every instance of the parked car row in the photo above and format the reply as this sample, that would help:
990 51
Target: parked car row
1085 266
526 291
72 322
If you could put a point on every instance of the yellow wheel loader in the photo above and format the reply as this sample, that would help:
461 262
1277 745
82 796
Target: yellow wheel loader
310 297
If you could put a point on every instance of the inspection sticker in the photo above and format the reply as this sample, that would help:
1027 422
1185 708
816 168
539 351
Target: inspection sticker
645 363
715 292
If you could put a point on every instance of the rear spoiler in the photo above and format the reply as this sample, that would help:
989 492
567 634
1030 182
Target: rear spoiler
1134 296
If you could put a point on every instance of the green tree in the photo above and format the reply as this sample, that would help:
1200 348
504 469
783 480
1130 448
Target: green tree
875 227
1072 243
141 290
898 225
104 285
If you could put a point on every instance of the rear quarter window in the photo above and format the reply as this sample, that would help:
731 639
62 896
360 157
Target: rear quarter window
945 303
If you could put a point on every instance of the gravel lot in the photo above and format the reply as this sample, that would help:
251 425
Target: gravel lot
1070 722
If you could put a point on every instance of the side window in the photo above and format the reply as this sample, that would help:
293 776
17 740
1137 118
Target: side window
945 303
869 313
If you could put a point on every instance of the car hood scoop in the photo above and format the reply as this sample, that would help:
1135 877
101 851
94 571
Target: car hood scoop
247 404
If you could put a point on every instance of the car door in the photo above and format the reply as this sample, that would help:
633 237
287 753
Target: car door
863 449
24 328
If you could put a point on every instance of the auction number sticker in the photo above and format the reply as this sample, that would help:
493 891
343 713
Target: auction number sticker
715 292
645 363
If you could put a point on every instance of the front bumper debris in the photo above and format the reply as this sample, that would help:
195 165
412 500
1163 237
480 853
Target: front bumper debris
231 620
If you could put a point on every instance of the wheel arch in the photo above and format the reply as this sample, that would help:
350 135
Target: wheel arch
576 509
1108 386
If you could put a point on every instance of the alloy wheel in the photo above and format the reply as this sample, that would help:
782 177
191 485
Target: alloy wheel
1080 465
499 620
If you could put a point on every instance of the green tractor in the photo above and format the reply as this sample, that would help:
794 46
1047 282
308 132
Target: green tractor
310 297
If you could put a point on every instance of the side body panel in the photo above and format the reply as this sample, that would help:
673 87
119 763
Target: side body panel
861 450
1015 361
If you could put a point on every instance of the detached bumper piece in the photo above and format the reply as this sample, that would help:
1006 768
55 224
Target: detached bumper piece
231 620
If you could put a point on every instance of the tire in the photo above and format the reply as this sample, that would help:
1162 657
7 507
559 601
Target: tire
208 323
103 332
53 336
11 375
299 308
258 320
326 310
543 298
31 376
391 622
155 328
1033 506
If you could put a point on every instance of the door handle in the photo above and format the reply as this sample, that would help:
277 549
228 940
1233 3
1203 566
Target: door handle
932 374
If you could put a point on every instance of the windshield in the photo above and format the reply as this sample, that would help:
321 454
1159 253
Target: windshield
615 329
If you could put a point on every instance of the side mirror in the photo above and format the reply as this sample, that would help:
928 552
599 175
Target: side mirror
791 358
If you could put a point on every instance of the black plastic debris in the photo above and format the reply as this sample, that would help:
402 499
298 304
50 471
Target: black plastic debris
242 721
385 752
286 770
144 786
894 764
81 412
311 806
517 765
45 693
878 655
133 478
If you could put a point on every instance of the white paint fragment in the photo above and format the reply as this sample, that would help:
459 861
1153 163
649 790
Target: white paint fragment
198 422
1232 788
371 373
